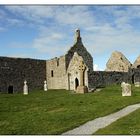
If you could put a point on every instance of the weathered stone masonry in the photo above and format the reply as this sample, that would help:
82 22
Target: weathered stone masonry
13 72
103 78
63 72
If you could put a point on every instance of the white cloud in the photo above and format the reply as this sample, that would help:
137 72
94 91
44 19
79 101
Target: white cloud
102 39
15 22
96 68
2 29
75 15
49 42
112 31
68 15
32 13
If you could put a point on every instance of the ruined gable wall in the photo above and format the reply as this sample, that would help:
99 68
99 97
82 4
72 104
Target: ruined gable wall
58 80
102 78
81 50
13 71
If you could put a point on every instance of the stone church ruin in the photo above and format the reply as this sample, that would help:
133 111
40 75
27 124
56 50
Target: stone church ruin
72 71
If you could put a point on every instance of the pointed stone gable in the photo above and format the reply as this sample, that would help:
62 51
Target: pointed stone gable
81 50
118 62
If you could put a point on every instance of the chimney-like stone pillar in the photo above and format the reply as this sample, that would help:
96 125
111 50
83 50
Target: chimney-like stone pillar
77 36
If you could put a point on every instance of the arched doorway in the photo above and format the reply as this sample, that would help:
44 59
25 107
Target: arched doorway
76 83
10 89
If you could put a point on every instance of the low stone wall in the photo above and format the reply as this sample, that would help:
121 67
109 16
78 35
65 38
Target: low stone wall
102 78
13 72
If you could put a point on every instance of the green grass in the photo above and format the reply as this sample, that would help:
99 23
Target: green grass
128 125
57 111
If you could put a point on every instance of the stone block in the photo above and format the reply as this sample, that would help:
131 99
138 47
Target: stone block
82 89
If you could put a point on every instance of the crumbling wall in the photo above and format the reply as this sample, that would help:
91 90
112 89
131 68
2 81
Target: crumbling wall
81 50
13 72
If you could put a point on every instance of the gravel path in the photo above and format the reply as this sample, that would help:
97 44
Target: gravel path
94 125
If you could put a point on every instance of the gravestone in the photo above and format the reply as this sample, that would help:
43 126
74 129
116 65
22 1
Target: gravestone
45 86
82 88
137 84
126 89
25 88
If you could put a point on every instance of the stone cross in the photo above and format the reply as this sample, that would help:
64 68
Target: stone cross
25 88
82 68
45 86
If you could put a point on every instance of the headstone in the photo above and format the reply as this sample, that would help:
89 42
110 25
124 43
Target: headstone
45 86
137 84
25 88
122 84
126 89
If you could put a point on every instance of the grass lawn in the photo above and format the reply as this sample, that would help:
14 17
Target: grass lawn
128 125
57 111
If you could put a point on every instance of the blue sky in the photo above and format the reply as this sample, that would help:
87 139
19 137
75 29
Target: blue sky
45 32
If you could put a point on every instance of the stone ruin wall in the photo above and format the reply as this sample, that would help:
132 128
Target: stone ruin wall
13 71
81 50
59 78
102 78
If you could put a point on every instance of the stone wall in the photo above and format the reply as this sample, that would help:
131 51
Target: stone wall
102 78
13 72
56 73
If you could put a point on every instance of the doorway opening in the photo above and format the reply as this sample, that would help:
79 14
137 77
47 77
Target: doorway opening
133 79
10 89
76 83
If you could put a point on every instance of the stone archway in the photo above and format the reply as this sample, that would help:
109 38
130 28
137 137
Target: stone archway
76 83
10 89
